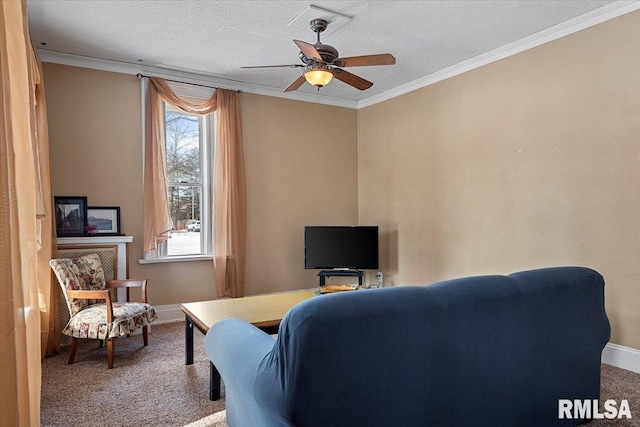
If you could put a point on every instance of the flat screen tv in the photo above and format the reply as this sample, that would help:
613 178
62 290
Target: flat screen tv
341 247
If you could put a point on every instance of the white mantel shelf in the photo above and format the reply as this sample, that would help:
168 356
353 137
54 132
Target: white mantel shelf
93 240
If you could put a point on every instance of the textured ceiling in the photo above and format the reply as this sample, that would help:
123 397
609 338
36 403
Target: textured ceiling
216 38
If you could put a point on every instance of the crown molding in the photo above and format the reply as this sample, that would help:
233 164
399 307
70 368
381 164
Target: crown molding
597 16
185 76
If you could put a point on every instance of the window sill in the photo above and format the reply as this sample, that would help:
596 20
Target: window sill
184 258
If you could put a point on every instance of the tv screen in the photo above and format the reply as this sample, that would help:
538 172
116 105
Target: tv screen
344 247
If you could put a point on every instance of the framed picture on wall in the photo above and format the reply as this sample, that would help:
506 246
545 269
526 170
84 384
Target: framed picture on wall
103 220
71 215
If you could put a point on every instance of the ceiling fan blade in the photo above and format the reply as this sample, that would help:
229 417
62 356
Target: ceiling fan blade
366 60
308 50
296 84
276 66
351 79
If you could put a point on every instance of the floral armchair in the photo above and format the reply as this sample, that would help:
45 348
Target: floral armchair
92 312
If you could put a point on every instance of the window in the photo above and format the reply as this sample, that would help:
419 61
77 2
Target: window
188 148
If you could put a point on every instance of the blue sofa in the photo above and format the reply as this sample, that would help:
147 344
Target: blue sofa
476 351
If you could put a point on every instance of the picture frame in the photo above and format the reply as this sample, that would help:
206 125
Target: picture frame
71 215
104 220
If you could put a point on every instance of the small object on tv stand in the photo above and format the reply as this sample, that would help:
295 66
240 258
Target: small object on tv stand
328 273
329 289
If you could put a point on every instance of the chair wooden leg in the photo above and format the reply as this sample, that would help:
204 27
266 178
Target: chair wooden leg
145 335
74 347
110 353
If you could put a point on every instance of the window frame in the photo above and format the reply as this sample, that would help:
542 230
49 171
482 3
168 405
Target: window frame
207 147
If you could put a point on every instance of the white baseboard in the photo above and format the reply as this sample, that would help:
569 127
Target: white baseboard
168 313
621 357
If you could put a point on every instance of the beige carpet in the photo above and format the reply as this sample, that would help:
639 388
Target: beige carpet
148 386
619 384
151 386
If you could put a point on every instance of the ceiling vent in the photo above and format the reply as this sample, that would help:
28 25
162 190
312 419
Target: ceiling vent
337 20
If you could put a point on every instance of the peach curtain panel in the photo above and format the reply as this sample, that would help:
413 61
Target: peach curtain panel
155 210
229 201
229 198
48 285
24 189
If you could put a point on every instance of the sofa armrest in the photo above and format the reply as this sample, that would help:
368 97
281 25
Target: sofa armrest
236 348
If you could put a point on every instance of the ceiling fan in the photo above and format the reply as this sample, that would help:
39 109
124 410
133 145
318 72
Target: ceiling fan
321 63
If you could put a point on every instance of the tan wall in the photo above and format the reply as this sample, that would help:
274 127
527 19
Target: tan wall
302 169
295 175
528 162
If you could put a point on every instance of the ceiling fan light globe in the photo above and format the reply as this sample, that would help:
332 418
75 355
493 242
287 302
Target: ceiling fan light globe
318 78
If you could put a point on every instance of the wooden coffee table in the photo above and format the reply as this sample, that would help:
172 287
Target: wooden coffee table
263 311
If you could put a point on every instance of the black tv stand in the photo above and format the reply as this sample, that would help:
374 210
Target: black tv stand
352 273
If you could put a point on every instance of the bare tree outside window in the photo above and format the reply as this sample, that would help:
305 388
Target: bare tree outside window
184 180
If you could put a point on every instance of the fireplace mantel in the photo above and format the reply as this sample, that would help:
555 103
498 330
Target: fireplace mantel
94 240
